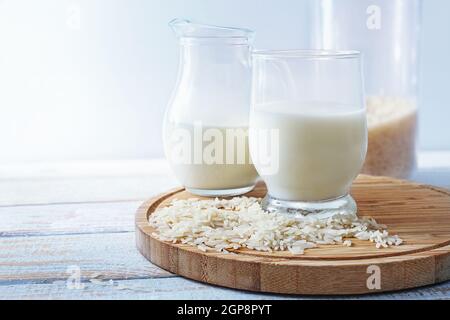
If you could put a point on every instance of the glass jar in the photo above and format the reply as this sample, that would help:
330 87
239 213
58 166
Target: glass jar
205 128
387 33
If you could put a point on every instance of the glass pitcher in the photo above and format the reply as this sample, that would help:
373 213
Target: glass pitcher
205 128
387 32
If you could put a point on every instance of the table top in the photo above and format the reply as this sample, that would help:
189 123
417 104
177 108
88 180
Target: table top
55 244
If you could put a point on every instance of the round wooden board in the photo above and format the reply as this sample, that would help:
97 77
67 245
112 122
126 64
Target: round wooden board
419 214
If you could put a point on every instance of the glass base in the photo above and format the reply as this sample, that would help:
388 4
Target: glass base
318 209
220 192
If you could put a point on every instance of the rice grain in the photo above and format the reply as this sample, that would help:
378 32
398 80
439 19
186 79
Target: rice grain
226 225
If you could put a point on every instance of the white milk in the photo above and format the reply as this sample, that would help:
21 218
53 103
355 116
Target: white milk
321 148
213 158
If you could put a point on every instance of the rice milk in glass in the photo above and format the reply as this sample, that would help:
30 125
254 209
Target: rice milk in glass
308 129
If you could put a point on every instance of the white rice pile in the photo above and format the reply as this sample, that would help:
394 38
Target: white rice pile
224 225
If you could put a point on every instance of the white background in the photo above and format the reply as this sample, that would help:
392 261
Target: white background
90 79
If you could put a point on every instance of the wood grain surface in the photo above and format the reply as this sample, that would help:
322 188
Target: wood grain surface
419 214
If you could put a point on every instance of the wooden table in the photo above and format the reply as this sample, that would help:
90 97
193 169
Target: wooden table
55 244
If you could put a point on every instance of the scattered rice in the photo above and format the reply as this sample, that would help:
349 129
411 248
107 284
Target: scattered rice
226 225
347 243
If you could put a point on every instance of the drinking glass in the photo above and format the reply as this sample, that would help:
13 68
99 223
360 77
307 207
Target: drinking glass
308 129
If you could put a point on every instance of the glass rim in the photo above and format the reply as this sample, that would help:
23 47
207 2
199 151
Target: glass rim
307 54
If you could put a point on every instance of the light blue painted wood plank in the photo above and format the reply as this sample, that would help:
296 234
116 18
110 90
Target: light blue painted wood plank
83 189
67 218
179 288
47 258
